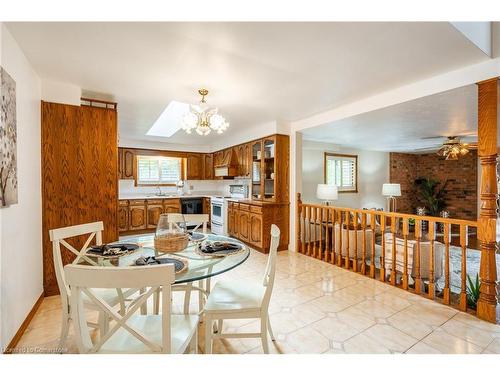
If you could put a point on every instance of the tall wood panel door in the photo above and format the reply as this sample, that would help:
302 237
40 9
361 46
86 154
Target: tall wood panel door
79 175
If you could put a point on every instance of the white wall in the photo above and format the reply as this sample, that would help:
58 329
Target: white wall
373 171
21 224
58 92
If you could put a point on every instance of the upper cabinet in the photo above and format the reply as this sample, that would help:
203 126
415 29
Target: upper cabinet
270 169
194 164
125 164
208 166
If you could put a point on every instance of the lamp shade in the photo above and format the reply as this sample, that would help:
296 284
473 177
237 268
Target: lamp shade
391 190
327 192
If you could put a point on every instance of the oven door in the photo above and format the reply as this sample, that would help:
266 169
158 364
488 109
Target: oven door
217 213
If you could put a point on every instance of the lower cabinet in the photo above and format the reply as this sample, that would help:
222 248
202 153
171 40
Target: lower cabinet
207 208
251 223
155 209
139 215
123 216
255 230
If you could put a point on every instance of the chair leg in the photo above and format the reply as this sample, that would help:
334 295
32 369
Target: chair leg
208 335
103 324
200 295
144 307
187 298
156 301
263 334
270 329
64 330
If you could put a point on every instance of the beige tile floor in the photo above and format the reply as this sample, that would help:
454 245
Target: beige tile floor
320 308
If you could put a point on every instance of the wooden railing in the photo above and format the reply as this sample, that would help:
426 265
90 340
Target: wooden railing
407 251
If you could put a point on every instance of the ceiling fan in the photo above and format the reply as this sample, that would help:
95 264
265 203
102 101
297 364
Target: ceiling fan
453 147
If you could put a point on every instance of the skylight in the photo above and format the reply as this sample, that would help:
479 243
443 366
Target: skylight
170 120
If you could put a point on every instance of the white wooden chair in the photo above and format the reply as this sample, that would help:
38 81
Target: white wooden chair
111 296
131 332
198 220
243 300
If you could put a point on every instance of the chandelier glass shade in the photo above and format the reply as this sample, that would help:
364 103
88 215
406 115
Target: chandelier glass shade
452 149
203 119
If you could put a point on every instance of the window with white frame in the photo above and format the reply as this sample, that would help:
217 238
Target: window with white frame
156 170
341 170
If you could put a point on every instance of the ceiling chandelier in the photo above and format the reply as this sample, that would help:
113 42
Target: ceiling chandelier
203 119
453 148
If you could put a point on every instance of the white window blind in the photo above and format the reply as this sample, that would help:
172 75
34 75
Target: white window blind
341 170
158 170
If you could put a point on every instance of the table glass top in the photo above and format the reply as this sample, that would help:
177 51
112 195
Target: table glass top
199 266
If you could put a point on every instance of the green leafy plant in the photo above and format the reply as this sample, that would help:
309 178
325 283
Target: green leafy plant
432 194
473 291
411 221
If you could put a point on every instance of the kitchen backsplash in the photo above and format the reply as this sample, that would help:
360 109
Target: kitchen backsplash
127 187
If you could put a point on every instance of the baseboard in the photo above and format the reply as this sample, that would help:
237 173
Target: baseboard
15 340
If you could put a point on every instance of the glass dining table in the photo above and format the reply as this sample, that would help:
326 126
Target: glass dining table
199 266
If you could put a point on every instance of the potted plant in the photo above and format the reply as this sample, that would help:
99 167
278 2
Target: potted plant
432 193
473 291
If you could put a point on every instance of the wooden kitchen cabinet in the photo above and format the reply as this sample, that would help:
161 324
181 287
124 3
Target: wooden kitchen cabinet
128 159
243 230
123 216
251 222
255 230
207 208
208 166
194 167
137 214
172 205
218 158
154 210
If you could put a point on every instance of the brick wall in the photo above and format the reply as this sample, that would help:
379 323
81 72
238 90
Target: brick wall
461 190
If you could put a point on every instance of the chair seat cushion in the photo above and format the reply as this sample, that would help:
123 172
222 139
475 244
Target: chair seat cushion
183 327
231 296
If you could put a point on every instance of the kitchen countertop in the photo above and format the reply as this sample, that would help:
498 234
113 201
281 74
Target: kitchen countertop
172 196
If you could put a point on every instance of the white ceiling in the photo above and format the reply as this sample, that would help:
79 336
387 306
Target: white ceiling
256 72
409 126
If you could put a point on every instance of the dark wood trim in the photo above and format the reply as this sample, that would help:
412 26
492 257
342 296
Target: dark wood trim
326 154
17 337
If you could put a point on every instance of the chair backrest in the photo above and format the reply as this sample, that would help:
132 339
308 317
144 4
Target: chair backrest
59 237
271 263
149 279
199 220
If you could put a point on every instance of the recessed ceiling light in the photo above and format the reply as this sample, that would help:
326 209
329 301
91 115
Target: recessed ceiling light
170 120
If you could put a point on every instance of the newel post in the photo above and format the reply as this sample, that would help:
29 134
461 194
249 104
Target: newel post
298 229
487 152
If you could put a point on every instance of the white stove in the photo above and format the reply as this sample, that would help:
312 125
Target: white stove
219 208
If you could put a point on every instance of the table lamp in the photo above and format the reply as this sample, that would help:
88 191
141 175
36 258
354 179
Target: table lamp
327 193
391 191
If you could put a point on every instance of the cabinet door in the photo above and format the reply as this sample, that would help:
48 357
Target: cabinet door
120 163
255 230
257 178
128 164
194 167
137 217
154 212
207 208
172 206
247 159
208 167
122 218
243 225
269 168
230 220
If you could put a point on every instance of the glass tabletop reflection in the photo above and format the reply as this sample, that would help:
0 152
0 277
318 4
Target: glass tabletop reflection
198 266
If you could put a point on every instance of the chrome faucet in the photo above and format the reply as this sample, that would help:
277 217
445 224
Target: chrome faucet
159 190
